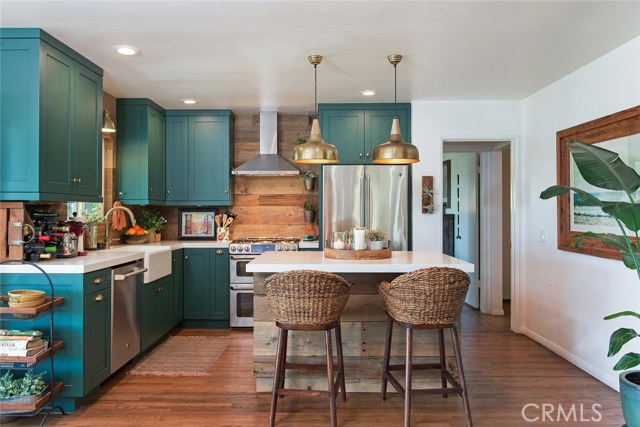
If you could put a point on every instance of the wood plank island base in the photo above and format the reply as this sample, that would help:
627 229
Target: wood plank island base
363 321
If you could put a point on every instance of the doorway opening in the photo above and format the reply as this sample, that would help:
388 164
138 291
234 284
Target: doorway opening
477 217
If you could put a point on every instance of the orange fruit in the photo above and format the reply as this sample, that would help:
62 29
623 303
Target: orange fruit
137 227
140 233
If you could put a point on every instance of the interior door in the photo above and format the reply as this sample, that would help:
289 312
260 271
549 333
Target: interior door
465 202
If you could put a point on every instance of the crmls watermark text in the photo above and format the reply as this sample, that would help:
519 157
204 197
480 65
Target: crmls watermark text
550 412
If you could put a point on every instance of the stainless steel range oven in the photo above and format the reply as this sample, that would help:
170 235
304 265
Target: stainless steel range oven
241 252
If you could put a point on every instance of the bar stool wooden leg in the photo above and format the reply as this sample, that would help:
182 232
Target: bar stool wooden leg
463 384
340 362
407 377
285 341
387 355
331 388
280 359
443 363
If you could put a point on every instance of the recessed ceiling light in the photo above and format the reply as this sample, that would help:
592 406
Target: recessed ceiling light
127 50
189 101
368 92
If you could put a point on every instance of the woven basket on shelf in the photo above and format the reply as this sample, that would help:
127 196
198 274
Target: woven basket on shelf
307 297
428 296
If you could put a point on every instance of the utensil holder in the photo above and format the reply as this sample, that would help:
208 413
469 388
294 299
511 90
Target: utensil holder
223 234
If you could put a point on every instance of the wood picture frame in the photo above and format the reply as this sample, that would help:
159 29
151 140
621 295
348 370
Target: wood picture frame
446 184
606 130
197 224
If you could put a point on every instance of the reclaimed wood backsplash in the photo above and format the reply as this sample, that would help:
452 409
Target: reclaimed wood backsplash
266 206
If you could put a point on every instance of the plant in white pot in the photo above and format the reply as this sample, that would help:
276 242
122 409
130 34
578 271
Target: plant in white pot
376 239
604 169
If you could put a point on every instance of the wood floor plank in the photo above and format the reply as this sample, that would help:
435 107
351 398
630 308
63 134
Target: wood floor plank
504 371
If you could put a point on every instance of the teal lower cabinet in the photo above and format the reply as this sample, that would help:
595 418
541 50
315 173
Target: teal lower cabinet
177 272
206 288
156 314
83 322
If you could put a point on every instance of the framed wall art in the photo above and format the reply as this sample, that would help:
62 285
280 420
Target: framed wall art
619 132
197 224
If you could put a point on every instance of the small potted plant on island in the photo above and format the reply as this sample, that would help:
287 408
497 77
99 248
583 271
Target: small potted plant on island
376 239
150 219
309 178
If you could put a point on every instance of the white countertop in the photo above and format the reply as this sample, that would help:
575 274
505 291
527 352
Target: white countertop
400 262
105 258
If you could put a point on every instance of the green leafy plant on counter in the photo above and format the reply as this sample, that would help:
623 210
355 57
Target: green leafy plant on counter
150 219
309 206
604 169
28 385
377 235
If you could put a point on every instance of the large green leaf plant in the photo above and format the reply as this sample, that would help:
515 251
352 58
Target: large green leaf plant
604 169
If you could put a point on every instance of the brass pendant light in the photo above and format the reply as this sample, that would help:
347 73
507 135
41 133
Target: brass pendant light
107 123
395 151
315 150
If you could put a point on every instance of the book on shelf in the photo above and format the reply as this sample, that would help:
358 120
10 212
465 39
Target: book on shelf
14 365
23 353
21 344
14 334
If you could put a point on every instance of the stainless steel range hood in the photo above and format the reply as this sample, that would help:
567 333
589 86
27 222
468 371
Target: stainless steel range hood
268 162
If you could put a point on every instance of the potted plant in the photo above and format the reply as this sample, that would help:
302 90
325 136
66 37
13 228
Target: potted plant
150 219
309 178
26 389
309 209
604 169
376 239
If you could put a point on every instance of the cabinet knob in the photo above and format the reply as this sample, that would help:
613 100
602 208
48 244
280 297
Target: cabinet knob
226 191
74 180
168 191
360 155
173 259
367 155
150 188
186 257
79 180
99 297
219 252
120 193
97 280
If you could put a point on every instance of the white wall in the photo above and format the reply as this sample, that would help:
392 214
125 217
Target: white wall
565 295
435 121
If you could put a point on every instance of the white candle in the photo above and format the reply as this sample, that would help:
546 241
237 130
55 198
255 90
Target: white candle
339 244
358 239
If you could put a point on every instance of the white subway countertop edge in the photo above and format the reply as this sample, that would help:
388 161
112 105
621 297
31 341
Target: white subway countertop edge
400 262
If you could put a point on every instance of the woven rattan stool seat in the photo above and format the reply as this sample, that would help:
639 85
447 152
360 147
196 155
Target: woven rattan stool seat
312 301
425 298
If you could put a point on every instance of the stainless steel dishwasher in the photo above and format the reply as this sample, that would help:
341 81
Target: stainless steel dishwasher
125 313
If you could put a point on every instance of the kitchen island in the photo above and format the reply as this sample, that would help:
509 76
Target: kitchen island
363 320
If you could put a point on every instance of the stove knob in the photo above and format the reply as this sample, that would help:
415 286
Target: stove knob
247 248
286 248
232 248
294 248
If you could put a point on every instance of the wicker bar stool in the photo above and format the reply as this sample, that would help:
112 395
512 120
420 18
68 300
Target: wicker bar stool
428 298
308 300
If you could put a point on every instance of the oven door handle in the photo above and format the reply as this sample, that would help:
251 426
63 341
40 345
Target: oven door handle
245 287
243 256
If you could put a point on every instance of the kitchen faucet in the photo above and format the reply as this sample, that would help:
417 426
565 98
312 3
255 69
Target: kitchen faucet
106 218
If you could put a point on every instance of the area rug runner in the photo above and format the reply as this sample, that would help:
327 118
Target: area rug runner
182 356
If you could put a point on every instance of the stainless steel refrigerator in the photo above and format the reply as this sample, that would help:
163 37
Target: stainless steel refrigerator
371 196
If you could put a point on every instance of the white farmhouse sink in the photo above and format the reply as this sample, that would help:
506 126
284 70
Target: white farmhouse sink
157 259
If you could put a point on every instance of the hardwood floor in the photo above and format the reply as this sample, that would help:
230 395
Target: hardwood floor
504 372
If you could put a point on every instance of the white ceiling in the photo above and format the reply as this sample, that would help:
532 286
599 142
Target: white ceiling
249 56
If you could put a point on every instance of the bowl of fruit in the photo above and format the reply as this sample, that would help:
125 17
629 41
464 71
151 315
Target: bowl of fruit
136 235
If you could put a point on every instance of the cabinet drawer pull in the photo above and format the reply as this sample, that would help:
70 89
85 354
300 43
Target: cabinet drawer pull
79 180
99 297
74 180
97 280
186 257
226 191
219 252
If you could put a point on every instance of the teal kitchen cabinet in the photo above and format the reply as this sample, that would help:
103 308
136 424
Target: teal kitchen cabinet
206 287
156 313
199 157
51 118
356 129
140 151
83 322
177 273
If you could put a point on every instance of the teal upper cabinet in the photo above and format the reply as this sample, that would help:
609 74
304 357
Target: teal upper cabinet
140 151
199 157
50 120
356 129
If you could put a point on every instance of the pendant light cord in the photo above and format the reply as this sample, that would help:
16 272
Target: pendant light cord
315 88
395 89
